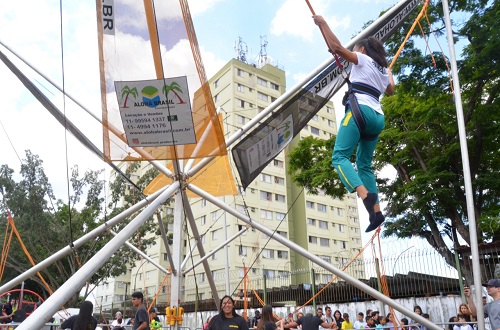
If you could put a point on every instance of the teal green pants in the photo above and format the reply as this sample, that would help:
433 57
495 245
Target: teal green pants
348 138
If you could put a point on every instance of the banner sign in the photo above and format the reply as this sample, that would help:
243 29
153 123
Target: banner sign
156 112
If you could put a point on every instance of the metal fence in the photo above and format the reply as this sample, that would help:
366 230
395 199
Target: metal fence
410 273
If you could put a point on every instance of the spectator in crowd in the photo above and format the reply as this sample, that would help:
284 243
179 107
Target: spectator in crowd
319 312
328 318
463 322
267 316
404 322
255 319
376 317
309 322
464 310
452 326
83 320
205 326
418 311
360 321
289 318
369 312
227 317
337 316
346 324
118 323
390 321
382 322
370 322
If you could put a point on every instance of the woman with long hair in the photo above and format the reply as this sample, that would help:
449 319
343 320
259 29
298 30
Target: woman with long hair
337 318
464 310
227 319
268 321
364 118
84 320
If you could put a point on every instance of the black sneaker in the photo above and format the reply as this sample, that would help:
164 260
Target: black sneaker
369 202
379 219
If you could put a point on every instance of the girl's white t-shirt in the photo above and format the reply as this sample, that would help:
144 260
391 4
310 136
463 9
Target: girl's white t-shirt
368 72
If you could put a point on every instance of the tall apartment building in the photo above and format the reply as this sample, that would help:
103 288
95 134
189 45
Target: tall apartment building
326 227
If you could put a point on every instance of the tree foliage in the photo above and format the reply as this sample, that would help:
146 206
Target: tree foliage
421 138
47 225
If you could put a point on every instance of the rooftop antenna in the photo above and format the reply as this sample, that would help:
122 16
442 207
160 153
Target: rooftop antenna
241 49
263 52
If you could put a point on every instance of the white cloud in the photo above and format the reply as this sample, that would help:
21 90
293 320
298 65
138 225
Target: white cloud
295 19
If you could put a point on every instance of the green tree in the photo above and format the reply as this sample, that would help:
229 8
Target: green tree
421 141
46 225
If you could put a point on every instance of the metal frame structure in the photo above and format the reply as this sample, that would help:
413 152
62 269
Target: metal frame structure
151 204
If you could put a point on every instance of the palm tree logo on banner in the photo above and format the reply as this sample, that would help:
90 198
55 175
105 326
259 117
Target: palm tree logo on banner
126 91
173 87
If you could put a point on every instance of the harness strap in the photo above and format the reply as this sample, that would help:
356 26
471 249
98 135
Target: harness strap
351 102
361 88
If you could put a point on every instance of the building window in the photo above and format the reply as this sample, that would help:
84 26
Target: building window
324 241
240 103
273 99
280 216
340 211
322 224
203 219
313 240
262 96
343 245
214 234
266 196
267 254
261 109
279 180
341 228
216 98
265 178
203 202
282 233
309 204
241 120
240 88
311 222
282 254
329 110
322 208
216 83
265 214
275 87
202 277
242 250
279 198
314 130
315 118
331 123
202 239
269 273
326 258
215 215
261 82
214 256
278 163
240 72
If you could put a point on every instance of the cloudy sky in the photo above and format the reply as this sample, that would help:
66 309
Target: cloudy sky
34 32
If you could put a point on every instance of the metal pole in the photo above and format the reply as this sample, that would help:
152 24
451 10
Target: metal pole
317 260
144 255
176 280
208 255
42 314
313 287
80 242
476 270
